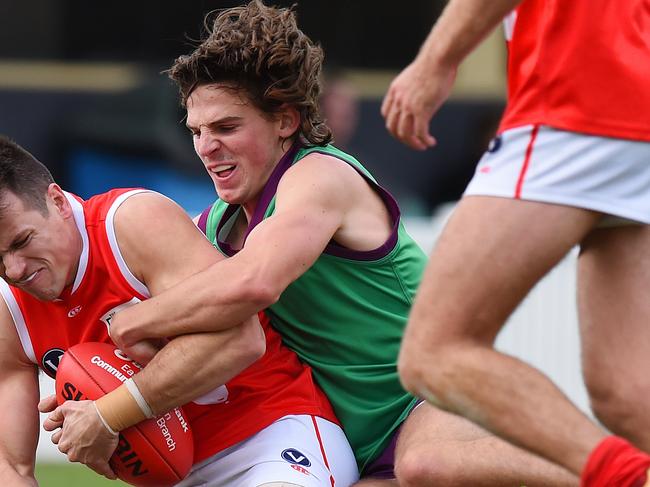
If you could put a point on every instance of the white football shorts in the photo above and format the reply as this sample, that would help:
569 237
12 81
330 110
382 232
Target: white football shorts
299 449
540 163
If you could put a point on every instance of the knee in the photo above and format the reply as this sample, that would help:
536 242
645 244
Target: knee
431 375
417 469
619 407
602 403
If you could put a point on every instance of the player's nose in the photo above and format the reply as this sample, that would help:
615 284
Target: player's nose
206 144
15 267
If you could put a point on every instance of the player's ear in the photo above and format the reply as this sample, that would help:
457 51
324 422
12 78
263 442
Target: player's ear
56 197
289 120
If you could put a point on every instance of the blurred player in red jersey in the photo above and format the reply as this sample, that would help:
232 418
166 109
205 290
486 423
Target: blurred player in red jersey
570 166
67 266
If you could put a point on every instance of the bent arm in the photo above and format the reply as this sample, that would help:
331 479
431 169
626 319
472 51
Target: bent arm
19 415
310 208
161 246
190 365
211 359
417 93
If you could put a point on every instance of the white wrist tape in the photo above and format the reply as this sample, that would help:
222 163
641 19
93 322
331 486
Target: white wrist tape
137 395
110 430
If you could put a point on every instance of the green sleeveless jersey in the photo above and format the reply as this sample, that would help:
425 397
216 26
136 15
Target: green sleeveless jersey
345 316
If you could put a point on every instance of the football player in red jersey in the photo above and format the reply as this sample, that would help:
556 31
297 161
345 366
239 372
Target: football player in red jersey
571 167
67 266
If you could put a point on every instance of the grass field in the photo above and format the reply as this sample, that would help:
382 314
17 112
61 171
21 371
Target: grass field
71 475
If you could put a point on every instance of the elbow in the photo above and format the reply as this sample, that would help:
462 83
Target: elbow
254 352
258 349
261 291
252 342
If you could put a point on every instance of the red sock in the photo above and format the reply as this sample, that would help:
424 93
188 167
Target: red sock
615 463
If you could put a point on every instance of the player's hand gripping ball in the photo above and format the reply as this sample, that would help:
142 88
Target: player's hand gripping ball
157 452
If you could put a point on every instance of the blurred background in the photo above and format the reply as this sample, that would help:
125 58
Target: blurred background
81 88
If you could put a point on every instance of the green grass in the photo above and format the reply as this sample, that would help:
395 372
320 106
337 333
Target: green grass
71 475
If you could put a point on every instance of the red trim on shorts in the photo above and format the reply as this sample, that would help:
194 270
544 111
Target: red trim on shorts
322 449
524 167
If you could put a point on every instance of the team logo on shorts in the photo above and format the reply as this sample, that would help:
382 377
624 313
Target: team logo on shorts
495 144
294 457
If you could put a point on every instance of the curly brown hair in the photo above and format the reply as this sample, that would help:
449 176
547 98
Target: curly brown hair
259 49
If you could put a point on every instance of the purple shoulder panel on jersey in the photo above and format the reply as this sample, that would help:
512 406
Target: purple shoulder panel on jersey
268 193
203 220
271 186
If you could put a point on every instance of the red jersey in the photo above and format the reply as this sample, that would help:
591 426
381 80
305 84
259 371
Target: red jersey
580 65
276 385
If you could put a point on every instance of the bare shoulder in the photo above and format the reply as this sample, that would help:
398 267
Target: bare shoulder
145 218
338 198
321 175
145 207
159 241
321 166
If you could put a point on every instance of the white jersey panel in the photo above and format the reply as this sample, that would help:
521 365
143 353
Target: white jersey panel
80 220
19 320
133 281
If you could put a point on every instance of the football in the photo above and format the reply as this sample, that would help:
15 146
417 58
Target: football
157 452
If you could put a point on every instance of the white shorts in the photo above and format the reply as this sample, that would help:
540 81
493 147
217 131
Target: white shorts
540 163
304 450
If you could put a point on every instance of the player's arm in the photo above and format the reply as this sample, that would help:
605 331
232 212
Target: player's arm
161 246
421 88
461 27
163 252
311 204
18 413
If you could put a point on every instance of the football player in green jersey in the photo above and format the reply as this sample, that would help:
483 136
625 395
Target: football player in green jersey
313 238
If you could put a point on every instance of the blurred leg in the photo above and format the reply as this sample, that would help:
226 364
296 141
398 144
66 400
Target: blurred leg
614 307
490 255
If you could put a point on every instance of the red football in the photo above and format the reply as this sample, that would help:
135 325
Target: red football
157 452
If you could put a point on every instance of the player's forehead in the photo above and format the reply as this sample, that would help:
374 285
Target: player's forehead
208 103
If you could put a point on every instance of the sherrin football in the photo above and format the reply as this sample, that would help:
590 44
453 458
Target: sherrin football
157 452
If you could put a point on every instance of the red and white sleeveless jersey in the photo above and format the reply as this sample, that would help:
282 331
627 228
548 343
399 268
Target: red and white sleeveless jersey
276 385
580 65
